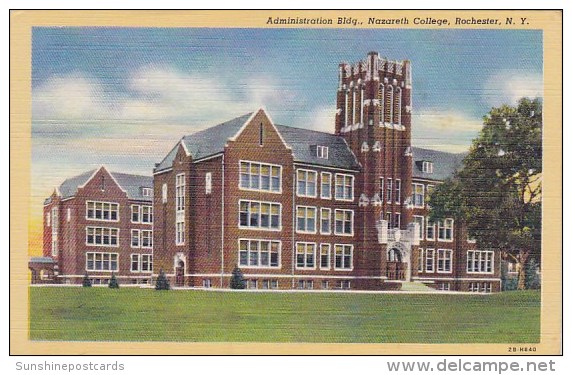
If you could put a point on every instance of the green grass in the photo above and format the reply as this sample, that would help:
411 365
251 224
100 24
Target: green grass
133 314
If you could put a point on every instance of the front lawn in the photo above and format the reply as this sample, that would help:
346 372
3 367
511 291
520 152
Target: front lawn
133 314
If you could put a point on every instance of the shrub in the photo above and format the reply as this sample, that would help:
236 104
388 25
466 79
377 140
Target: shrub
162 282
532 278
113 283
237 281
86 283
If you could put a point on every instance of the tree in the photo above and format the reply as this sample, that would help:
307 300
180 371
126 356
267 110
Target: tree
162 282
497 191
113 283
86 281
237 281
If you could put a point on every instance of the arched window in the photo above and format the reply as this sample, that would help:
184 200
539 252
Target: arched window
381 98
349 103
389 104
397 106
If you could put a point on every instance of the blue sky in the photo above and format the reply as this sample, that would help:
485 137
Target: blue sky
123 96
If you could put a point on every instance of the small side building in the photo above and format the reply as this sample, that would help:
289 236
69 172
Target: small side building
98 223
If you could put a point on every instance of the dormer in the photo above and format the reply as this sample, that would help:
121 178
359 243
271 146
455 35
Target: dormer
425 166
146 191
322 152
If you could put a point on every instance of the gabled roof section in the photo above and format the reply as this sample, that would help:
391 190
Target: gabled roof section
206 142
130 183
444 163
303 143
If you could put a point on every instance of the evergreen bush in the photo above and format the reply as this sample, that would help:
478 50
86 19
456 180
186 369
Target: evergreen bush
237 280
162 282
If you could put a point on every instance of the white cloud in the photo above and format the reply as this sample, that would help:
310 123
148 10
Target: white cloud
508 86
322 119
444 130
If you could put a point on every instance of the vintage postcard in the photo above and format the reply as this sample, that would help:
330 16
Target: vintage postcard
286 182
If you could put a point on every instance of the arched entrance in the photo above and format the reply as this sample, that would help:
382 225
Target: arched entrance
180 274
396 267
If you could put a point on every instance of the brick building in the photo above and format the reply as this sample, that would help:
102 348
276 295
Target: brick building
98 223
292 208
295 208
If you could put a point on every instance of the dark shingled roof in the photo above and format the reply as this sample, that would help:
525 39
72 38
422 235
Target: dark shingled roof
444 163
303 143
131 183
211 141
206 142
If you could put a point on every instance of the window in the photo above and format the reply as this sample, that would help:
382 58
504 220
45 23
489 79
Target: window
135 214
208 183
398 191
344 187
259 253
55 227
252 284
305 284
146 263
381 188
325 284
325 221
101 261
430 230
389 190
444 260
326 186
207 283
429 260
180 209
397 106
135 262
305 255
164 193
306 219
388 217
48 221
420 220
420 261
147 238
325 256
344 284
180 233
135 238
445 230
261 177
97 236
180 192
146 192
260 215
418 195
484 287
68 218
444 286
427 167
322 152
480 261
343 257
306 183
147 214
344 222
103 211
397 220
261 135
389 104
381 98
